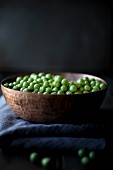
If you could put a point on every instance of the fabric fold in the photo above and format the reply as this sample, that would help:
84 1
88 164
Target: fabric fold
18 133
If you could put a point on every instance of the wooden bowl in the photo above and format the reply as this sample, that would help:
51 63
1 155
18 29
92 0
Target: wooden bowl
42 108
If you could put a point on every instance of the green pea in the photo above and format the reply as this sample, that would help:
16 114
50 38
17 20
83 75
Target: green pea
68 92
25 84
87 88
41 89
15 88
65 82
32 84
31 87
35 81
85 160
10 84
45 161
55 89
81 152
30 80
46 84
21 82
33 157
35 77
21 89
92 83
95 88
81 89
26 90
63 88
92 155
97 84
72 83
25 78
50 81
102 86
39 80
73 88
35 91
54 92
55 84
86 79
18 86
97 81
78 85
18 79
86 82
48 76
60 92
15 83
80 81
39 92
41 74
6 84
36 86
32 75
58 78
48 90
43 77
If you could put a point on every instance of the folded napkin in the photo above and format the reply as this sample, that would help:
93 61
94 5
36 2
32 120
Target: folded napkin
16 133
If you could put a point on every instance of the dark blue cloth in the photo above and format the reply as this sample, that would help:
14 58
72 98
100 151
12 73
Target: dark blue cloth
18 133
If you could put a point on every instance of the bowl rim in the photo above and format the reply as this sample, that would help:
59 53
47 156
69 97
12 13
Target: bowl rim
58 73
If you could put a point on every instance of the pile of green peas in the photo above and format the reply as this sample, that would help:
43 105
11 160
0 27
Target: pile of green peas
47 83
36 158
85 156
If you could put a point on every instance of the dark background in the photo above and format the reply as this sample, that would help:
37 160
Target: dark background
56 35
